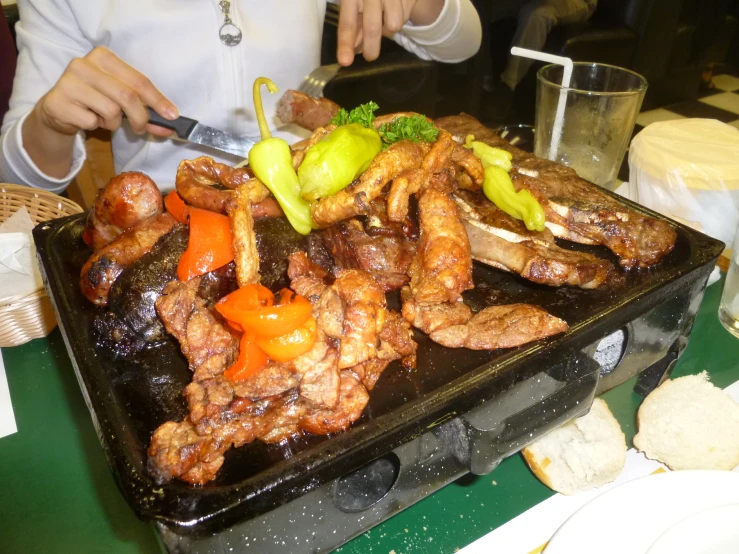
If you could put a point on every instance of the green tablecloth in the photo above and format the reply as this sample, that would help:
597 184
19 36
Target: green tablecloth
59 496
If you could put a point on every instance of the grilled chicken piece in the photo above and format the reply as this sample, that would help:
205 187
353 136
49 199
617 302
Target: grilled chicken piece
195 184
575 209
442 267
498 240
411 181
501 327
127 200
355 199
244 241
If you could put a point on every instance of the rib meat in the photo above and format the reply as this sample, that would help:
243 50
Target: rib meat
498 240
575 209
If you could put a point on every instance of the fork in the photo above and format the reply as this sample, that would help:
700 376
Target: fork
316 80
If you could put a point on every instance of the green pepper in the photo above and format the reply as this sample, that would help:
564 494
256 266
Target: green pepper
499 189
334 162
489 155
271 162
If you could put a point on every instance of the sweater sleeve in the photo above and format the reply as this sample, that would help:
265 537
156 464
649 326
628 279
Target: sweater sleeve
48 39
454 37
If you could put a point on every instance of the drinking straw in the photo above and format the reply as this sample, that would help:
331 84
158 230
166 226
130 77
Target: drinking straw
566 76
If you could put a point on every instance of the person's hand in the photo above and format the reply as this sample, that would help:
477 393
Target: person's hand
95 91
362 23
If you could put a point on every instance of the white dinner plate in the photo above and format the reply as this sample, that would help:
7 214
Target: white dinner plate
714 531
631 517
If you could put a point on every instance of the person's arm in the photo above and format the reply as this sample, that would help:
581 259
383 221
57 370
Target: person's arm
453 37
64 86
442 30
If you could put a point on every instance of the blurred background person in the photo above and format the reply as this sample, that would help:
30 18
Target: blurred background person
536 18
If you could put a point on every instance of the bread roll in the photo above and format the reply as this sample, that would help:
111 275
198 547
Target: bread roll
584 453
688 423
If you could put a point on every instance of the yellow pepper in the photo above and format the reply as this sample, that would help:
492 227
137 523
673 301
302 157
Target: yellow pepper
499 189
489 155
271 162
333 163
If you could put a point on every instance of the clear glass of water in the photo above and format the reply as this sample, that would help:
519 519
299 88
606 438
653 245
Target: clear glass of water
728 311
602 103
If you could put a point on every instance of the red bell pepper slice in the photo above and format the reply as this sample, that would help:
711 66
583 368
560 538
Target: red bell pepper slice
290 345
176 207
251 359
209 247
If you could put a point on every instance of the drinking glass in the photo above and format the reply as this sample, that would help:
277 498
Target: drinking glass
602 103
728 311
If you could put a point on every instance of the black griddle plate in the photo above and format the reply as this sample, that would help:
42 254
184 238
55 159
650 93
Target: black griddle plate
129 399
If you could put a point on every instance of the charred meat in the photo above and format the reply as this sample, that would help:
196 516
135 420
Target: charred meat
105 265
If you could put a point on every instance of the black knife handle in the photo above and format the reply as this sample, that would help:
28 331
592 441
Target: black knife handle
183 126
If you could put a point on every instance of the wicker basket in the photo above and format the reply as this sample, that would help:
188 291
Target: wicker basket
29 317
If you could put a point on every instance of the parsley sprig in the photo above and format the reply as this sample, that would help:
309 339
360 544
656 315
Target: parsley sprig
363 114
415 128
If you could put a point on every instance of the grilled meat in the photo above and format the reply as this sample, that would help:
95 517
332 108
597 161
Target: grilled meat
246 257
104 266
575 209
198 183
201 336
442 267
353 397
498 240
355 199
127 200
131 323
374 244
305 111
501 327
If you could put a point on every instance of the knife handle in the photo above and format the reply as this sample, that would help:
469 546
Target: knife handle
183 126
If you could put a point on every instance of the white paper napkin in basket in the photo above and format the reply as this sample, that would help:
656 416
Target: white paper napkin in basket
19 273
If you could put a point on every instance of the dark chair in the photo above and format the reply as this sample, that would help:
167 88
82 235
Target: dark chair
703 36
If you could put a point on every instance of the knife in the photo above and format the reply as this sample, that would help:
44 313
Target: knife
192 131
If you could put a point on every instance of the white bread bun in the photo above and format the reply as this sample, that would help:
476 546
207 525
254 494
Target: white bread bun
688 423
584 453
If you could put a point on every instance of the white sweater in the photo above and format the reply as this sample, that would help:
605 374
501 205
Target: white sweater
176 44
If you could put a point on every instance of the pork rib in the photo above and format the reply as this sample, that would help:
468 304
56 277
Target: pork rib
575 209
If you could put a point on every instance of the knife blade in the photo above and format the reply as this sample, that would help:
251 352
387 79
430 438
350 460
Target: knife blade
191 130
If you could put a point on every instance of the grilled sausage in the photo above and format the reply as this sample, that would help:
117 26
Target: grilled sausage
127 200
306 111
104 266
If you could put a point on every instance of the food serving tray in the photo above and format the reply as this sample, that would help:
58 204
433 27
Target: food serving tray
129 398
